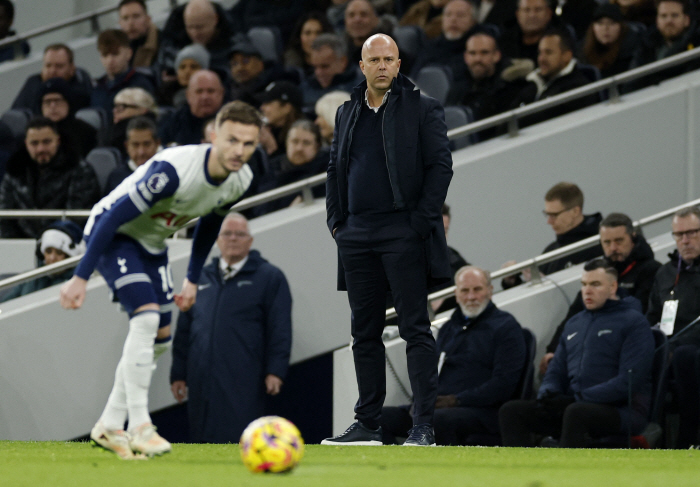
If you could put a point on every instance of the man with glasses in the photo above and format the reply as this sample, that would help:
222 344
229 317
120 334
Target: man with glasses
563 209
675 305
232 347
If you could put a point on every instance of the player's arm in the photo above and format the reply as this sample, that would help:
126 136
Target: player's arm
145 193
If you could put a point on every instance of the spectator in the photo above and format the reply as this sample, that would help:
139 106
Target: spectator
578 14
57 63
492 82
675 33
456 263
115 52
8 143
62 239
281 15
141 144
629 253
482 351
563 208
326 108
17 50
143 35
674 304
500 13
250 74
44 174
232 348
281 104
130 103
304 158
643 11
362 21
556 73
308 28
332 72
586 389
57 105
448 48
197 22
205 95
609 44
188 61
426 14
522 40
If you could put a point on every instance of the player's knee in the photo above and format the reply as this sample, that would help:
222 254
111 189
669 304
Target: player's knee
145 323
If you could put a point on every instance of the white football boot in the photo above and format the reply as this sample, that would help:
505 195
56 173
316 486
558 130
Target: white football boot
144 439
116 441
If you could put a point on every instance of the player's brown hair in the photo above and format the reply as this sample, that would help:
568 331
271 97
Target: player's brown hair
241 112
111 40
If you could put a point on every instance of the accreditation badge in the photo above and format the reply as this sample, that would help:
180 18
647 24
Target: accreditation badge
668 316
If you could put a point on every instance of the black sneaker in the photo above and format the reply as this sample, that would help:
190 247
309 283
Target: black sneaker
421 435
356 434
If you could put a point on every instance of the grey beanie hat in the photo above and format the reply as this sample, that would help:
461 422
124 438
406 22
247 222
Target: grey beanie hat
194 51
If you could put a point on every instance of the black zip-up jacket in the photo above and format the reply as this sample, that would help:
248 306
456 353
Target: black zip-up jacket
418 160
687 292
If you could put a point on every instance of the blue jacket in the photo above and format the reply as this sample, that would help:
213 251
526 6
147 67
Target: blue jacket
105 89
595 353
419 162
484 357
239 331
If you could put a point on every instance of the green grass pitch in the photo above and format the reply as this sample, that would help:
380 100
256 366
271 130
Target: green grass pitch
60 464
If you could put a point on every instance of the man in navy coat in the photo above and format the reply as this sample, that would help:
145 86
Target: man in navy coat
388 175
232 347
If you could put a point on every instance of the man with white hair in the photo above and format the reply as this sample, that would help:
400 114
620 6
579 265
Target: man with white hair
482 354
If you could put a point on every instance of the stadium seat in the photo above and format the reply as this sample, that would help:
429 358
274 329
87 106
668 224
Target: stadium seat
434 81
267 42
98 118
103 160
410 39
17 120
457 116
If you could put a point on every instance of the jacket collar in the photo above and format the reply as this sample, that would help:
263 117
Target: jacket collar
543 84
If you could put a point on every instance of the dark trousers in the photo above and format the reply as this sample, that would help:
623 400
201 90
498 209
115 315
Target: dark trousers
521 420
380 254
684 366
452 425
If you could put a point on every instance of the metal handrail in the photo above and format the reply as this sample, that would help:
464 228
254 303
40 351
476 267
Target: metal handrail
91 16
535 262
511 117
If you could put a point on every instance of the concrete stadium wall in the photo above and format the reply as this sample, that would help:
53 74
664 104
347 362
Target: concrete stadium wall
637 156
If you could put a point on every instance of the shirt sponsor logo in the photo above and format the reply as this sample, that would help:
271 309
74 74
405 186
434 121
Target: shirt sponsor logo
157 182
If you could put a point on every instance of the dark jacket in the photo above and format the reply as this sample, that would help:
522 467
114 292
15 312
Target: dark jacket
635 278
248 91
630 42
537 89
588 227
484 357
181 127
66 182
145 49
106 89
687 292
345 81
30 95
595 353
442 52
238 332
418 159
77 134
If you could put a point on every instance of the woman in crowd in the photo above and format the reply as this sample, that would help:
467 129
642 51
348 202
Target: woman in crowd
609 44
130 103
325 109
307 29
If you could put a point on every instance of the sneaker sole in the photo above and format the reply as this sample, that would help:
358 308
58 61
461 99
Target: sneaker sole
97 444
352 443
415 444
151 455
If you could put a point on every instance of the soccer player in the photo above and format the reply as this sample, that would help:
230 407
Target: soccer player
126 235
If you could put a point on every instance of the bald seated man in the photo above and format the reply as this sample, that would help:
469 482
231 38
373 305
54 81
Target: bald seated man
205 96
388 175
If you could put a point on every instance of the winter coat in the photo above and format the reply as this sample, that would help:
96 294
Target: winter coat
595 354
29 96
106 89
345 81
687 292
635 278
238 332
66 182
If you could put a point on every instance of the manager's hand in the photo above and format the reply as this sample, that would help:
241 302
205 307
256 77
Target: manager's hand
179 390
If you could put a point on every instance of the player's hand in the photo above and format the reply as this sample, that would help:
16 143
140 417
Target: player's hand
544 363
73 293
179 390
187 297
273 384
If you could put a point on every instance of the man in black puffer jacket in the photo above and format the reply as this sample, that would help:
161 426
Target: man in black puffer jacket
588 390
44 174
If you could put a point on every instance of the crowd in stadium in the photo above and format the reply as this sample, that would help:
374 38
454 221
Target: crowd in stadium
298 61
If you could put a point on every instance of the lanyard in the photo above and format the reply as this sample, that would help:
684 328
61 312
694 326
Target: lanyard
629 268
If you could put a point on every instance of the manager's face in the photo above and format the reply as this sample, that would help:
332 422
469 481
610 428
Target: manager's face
380 62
